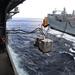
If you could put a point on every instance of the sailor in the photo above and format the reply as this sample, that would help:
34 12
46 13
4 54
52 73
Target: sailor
2 44
45 22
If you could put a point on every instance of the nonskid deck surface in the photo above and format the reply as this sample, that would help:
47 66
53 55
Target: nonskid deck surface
5 65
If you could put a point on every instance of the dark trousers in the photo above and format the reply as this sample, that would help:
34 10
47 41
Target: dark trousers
2 47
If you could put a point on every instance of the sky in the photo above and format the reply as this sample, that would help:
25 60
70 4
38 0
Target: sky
40 8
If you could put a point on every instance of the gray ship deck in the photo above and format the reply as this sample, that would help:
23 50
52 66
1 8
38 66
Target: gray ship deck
28 60
5 65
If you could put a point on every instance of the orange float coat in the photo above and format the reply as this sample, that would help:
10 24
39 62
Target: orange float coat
45 22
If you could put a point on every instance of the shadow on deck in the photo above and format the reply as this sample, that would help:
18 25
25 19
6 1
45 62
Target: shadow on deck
5 65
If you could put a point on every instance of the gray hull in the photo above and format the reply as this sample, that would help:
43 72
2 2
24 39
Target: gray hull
62 26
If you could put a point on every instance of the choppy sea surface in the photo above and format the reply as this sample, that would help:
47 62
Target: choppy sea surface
31 61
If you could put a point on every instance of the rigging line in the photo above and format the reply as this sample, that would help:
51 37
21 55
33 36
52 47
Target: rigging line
46 32
62 33
70 24
24 32
64 30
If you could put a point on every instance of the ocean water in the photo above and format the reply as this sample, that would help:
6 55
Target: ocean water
31 61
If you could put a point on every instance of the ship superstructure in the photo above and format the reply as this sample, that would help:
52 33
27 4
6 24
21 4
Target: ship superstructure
5 7
6 64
